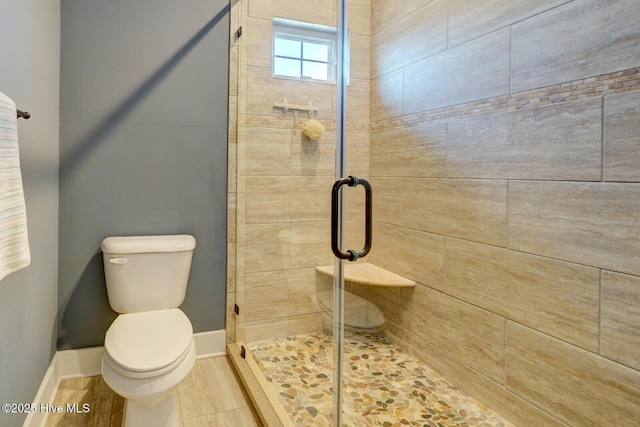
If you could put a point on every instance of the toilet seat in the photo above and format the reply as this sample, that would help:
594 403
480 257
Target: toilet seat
148 344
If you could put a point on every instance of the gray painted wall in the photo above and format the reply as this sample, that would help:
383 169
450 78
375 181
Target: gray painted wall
143 148
29 73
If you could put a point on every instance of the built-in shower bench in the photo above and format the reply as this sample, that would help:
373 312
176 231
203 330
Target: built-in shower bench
359 312
368 274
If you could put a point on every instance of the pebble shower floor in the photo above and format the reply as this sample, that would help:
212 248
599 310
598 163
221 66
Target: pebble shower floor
383 385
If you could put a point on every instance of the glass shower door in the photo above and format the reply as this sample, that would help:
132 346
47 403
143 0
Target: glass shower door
338 212
289 298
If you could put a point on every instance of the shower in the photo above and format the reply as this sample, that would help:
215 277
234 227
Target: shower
438 253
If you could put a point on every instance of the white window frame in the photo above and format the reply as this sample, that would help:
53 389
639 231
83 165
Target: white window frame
303 31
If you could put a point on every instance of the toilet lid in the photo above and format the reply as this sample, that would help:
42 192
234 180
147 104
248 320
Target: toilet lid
148 341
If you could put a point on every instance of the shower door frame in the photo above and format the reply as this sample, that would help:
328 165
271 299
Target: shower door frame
342 76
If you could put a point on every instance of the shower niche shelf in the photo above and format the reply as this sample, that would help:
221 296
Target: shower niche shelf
368 274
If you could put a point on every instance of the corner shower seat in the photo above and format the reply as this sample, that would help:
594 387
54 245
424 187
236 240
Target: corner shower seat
368 274
360 314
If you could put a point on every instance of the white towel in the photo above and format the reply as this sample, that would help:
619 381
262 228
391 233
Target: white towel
14 242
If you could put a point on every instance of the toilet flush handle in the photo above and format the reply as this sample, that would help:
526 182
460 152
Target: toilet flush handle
118 261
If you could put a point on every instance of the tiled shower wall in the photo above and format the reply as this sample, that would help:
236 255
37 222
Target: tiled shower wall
505 158
504 154
283 186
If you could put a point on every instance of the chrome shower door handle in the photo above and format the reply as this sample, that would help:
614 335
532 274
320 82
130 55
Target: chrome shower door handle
351 254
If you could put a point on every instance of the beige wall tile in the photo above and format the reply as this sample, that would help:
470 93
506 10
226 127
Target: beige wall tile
475 70
396 305
233 116
594 224
416 346
387 200
242 88
354 202
231 267
558 142
384 13
395 46
469 19
357 154
496 397
234 57
311 244
266 329
240 299
257 42
594 391
283 199
234 15
386 95
354 237
230 317
419 151
620 317
232 170
470 334
470 209
232 212
282 293
359 16
266 247
264 151
317 11
400 307
360 61
312 158
579 39
551 296
358 99
622 137
240 331
412 5
263 90
414 254
304 324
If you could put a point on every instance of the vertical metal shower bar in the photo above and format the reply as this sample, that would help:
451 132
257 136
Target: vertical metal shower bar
338 281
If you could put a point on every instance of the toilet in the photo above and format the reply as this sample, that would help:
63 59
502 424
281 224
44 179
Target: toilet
149 348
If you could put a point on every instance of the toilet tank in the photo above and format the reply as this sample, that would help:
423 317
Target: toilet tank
145 273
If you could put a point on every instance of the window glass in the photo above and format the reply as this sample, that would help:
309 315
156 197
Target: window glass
315 51
286 67
315 70
287 47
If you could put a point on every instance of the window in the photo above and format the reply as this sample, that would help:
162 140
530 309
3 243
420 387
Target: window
303 51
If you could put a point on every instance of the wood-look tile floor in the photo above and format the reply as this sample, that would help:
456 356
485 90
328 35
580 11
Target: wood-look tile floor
210 396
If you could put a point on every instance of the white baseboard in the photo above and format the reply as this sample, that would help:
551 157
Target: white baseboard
86 362
46 393
210 343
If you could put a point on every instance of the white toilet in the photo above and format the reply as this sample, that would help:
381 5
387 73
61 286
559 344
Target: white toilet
148 349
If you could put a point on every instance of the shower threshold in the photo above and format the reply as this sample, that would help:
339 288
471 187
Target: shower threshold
383 385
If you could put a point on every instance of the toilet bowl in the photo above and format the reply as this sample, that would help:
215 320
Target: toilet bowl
149 348
146 356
